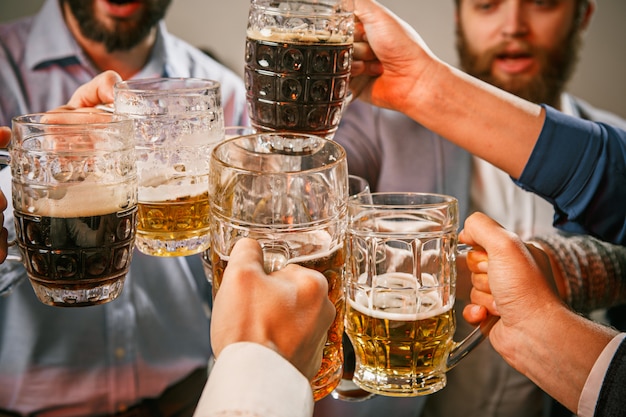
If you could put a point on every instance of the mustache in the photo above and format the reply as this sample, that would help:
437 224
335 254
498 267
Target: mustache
511 50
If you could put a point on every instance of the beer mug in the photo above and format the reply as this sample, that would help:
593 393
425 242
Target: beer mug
401 277
298 58
289 192
177 123
346 390
74 196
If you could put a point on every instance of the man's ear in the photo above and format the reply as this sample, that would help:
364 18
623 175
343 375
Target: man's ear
585 16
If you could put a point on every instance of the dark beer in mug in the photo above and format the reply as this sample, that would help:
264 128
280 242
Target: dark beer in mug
76 254
297 83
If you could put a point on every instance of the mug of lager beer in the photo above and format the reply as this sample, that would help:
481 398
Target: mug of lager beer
177 123
401 277
346 390
298 58
289 192
74 198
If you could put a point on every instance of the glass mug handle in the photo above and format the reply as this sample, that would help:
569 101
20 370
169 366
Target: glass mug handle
480 333
275 254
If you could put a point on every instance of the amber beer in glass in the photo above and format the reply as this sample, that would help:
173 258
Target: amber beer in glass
74 196
177 123
401 275
289 192
298 58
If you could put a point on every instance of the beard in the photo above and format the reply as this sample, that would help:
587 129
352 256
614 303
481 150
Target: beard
556 68
125 34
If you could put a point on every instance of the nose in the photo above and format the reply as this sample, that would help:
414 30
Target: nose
515 20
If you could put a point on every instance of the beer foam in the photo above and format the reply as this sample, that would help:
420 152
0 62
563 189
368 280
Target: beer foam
406 303
406 225
276 34
170 192
85 199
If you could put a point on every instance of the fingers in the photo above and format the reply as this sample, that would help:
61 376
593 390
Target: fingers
97 91
474 314
5 136
4 236
246 254
363 52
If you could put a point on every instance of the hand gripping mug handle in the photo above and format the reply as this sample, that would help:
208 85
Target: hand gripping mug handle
480 333
5 158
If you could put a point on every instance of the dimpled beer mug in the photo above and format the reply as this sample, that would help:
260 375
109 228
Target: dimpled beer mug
177 123
74 197
298 58
401 277
289 192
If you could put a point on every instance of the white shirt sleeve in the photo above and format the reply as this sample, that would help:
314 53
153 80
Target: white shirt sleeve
593 384
250 380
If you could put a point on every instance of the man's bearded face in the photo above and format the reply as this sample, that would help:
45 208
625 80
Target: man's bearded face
122 34
556 66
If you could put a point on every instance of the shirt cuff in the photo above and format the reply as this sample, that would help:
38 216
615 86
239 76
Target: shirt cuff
249 379
593 384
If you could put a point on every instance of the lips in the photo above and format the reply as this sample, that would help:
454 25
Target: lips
514 62
121 8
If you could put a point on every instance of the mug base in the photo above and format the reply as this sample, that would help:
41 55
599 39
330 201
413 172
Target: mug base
65 296
399 386
172 247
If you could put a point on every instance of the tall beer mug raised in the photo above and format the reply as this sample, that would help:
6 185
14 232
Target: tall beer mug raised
401 278
74 198
289 192
298 59
177 123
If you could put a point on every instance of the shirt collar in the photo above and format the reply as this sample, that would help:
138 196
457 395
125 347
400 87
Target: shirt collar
43 49
568 106
50 40
176 64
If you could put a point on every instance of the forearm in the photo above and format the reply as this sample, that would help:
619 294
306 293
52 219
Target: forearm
590 270
556 351
252 380
487 122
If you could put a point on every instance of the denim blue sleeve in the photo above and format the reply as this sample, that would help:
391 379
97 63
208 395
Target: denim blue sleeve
580 167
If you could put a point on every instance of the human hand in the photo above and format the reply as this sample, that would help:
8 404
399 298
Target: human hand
288 310
4 234
5 137
97 91
389 57
509 280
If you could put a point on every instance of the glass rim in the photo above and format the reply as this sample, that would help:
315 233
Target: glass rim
141 85
418 200
335 7
340 158
35 119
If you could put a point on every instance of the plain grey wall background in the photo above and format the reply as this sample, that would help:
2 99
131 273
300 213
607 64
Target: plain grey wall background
220 27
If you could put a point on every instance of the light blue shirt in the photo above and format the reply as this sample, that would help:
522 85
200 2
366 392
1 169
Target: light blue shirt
96 360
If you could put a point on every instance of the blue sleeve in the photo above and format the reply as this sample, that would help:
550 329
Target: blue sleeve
580 167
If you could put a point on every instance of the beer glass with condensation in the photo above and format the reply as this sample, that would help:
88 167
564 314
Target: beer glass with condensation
401 277
177 123
74 198
289 192
298 58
